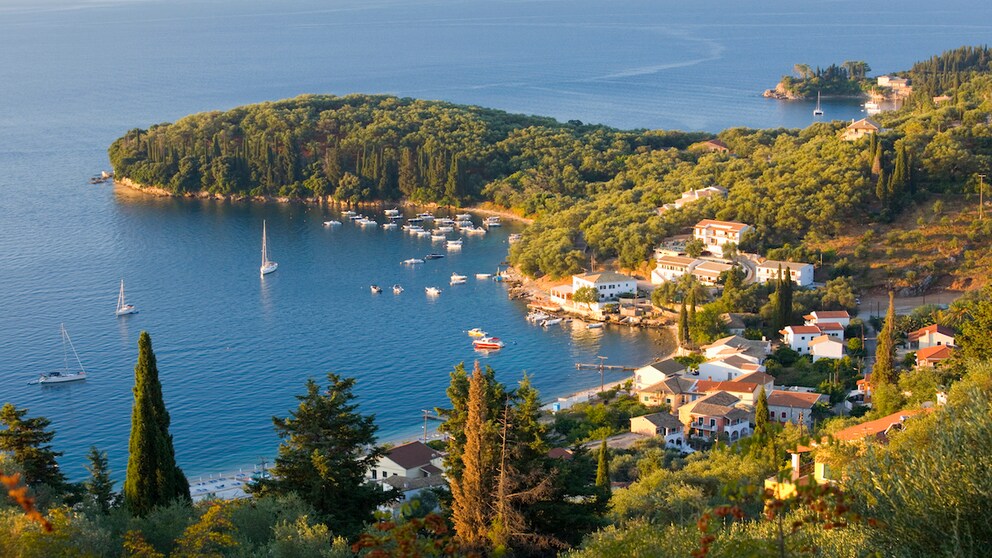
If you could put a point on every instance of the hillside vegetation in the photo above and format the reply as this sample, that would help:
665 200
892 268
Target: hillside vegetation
594 190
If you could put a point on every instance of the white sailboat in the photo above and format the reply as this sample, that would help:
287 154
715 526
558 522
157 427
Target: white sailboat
64 375
123 308
267 266
817 111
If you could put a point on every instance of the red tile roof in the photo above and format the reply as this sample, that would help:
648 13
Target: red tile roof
729 225
412 455
914 335
794 399
801 329
940 352
874 427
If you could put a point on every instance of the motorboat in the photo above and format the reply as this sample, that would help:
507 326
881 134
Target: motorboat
444 221
397 289
483 275
455 243
476 332
457 279
464 224
488 343
444 229
463 217
474 230
415 220
594 325
423 234
389 226
493 221
426 216
348 213
64 375
267 265
537 317
392 213
376 289
551 321
514 238
432 291
123 309
438 238
413 261
355 216
433 256
331 223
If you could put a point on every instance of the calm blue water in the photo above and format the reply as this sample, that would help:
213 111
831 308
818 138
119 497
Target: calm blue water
233 350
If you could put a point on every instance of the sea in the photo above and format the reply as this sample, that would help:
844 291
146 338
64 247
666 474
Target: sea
234 349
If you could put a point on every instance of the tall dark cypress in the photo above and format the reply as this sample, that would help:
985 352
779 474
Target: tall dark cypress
153 478
683 325
603 471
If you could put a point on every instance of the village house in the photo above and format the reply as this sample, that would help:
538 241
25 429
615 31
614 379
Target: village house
826 346
801 273
761 379
410 461
609 284
861 128
818 317
794 406
931 356
670 268
713 146
818 471
798 337
717 233
746 392
737 345
708 272
692 196
674 392
656 372
728 368
931 336
716 414
662 425
734 322
561 294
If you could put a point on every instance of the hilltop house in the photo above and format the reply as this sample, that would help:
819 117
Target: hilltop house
716 414
746 392
609 284
801 273
817 471
713 146
670 268
798 337
717 233
861 128
931 336
412 460
826 346
664 425
794 406
657 372
734 321
693 195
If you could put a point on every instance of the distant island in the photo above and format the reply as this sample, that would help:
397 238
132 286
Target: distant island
846 80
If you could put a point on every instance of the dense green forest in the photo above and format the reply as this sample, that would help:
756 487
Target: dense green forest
594 190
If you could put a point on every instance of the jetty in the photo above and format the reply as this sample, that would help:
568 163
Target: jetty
593 366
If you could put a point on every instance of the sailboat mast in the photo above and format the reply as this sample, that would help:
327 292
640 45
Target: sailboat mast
120 297
264 259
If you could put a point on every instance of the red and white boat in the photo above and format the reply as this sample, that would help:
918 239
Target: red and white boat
488 343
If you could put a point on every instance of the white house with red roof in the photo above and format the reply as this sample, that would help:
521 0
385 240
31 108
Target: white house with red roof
717 233
670 268
728 368
412 460
931 336
931 356
818 317
798 337
801 273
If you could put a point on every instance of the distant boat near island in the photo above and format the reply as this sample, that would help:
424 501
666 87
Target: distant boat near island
817 111
267 266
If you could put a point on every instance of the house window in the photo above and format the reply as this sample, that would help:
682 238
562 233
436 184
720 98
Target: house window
783 415
712 422
373 473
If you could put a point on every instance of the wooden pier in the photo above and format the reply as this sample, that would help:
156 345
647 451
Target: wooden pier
585 366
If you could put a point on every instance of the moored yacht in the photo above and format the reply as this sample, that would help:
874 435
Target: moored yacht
458 279
488 343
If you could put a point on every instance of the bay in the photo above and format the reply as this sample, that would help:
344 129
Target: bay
233 350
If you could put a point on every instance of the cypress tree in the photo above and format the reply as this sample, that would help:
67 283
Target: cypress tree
882 188
692 307
786 302
472 492
153 478
683 325
761 414
27 441
603 471
883 371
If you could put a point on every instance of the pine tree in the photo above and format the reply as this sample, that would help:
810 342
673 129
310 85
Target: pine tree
27 441
603 471
327 451
883 371
472 492
153 478
683 325
761 414
99 487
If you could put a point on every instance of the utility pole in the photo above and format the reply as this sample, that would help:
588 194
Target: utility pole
602 374
981 197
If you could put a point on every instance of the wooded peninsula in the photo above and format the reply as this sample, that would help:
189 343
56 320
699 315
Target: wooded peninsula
595 191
